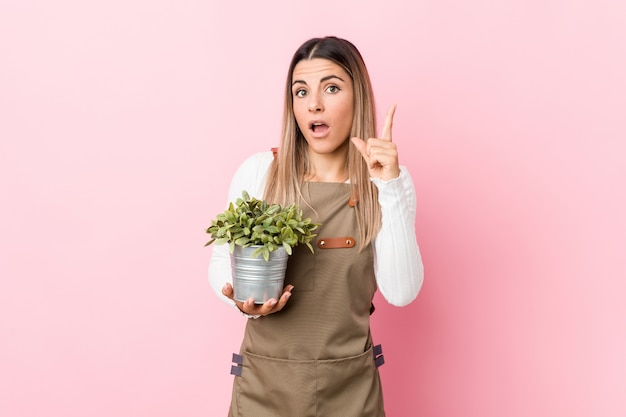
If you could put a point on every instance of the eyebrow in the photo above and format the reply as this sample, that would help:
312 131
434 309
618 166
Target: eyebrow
328 77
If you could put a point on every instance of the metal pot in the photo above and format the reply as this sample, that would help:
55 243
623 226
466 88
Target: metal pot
256 277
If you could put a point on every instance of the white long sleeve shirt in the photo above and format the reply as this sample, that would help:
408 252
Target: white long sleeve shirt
397 260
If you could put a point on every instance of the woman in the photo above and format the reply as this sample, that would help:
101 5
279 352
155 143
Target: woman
310 353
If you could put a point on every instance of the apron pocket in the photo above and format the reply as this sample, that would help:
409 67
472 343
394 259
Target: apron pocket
270 387
349 387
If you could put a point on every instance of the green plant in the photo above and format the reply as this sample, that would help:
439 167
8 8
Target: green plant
251 222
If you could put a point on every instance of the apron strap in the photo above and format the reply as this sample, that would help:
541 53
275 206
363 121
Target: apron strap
379 359
237 369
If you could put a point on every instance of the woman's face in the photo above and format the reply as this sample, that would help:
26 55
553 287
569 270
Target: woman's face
323 104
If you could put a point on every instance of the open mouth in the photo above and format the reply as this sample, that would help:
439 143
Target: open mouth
319 127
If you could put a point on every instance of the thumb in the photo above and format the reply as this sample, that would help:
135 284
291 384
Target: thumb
361 146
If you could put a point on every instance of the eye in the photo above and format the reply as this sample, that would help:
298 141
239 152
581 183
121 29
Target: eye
300 93
332 89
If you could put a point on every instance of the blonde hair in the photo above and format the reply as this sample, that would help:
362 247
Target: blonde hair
291 165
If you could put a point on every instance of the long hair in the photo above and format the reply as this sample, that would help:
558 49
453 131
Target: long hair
291 165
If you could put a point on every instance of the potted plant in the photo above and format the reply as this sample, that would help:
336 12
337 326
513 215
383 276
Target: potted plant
261 236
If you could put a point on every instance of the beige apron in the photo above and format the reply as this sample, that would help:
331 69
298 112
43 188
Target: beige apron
315 357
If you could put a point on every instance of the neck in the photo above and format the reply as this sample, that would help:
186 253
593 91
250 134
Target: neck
328 167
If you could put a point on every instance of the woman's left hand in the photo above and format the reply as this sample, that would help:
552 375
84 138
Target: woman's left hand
381 154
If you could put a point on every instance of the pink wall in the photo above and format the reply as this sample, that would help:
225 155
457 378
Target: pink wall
121 123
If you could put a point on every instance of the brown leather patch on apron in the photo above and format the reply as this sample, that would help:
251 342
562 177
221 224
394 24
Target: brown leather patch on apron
335 242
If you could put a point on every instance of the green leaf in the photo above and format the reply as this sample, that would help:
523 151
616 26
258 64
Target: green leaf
287 248
221 241
310 247
273 209
249 221
273 230
230 217
242 241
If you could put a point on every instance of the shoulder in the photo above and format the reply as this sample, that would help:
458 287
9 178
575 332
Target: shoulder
251 175
256 163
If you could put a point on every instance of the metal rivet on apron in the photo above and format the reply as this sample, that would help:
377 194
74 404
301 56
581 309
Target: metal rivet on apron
322 243
348 242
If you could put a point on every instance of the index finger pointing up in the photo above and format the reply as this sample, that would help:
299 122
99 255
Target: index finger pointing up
386 135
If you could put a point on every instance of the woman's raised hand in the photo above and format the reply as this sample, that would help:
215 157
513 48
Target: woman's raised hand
381 154
269 307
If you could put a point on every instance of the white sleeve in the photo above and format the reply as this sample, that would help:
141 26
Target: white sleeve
397 259
251 177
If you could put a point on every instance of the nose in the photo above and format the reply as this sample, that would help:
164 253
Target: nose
315 103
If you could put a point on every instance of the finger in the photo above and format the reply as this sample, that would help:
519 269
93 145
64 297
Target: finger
282 301
248 306
386 135
285 295
383 159
273 306
267 307
227 290
377 147
361 146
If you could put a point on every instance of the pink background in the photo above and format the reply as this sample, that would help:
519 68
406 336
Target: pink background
121 123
